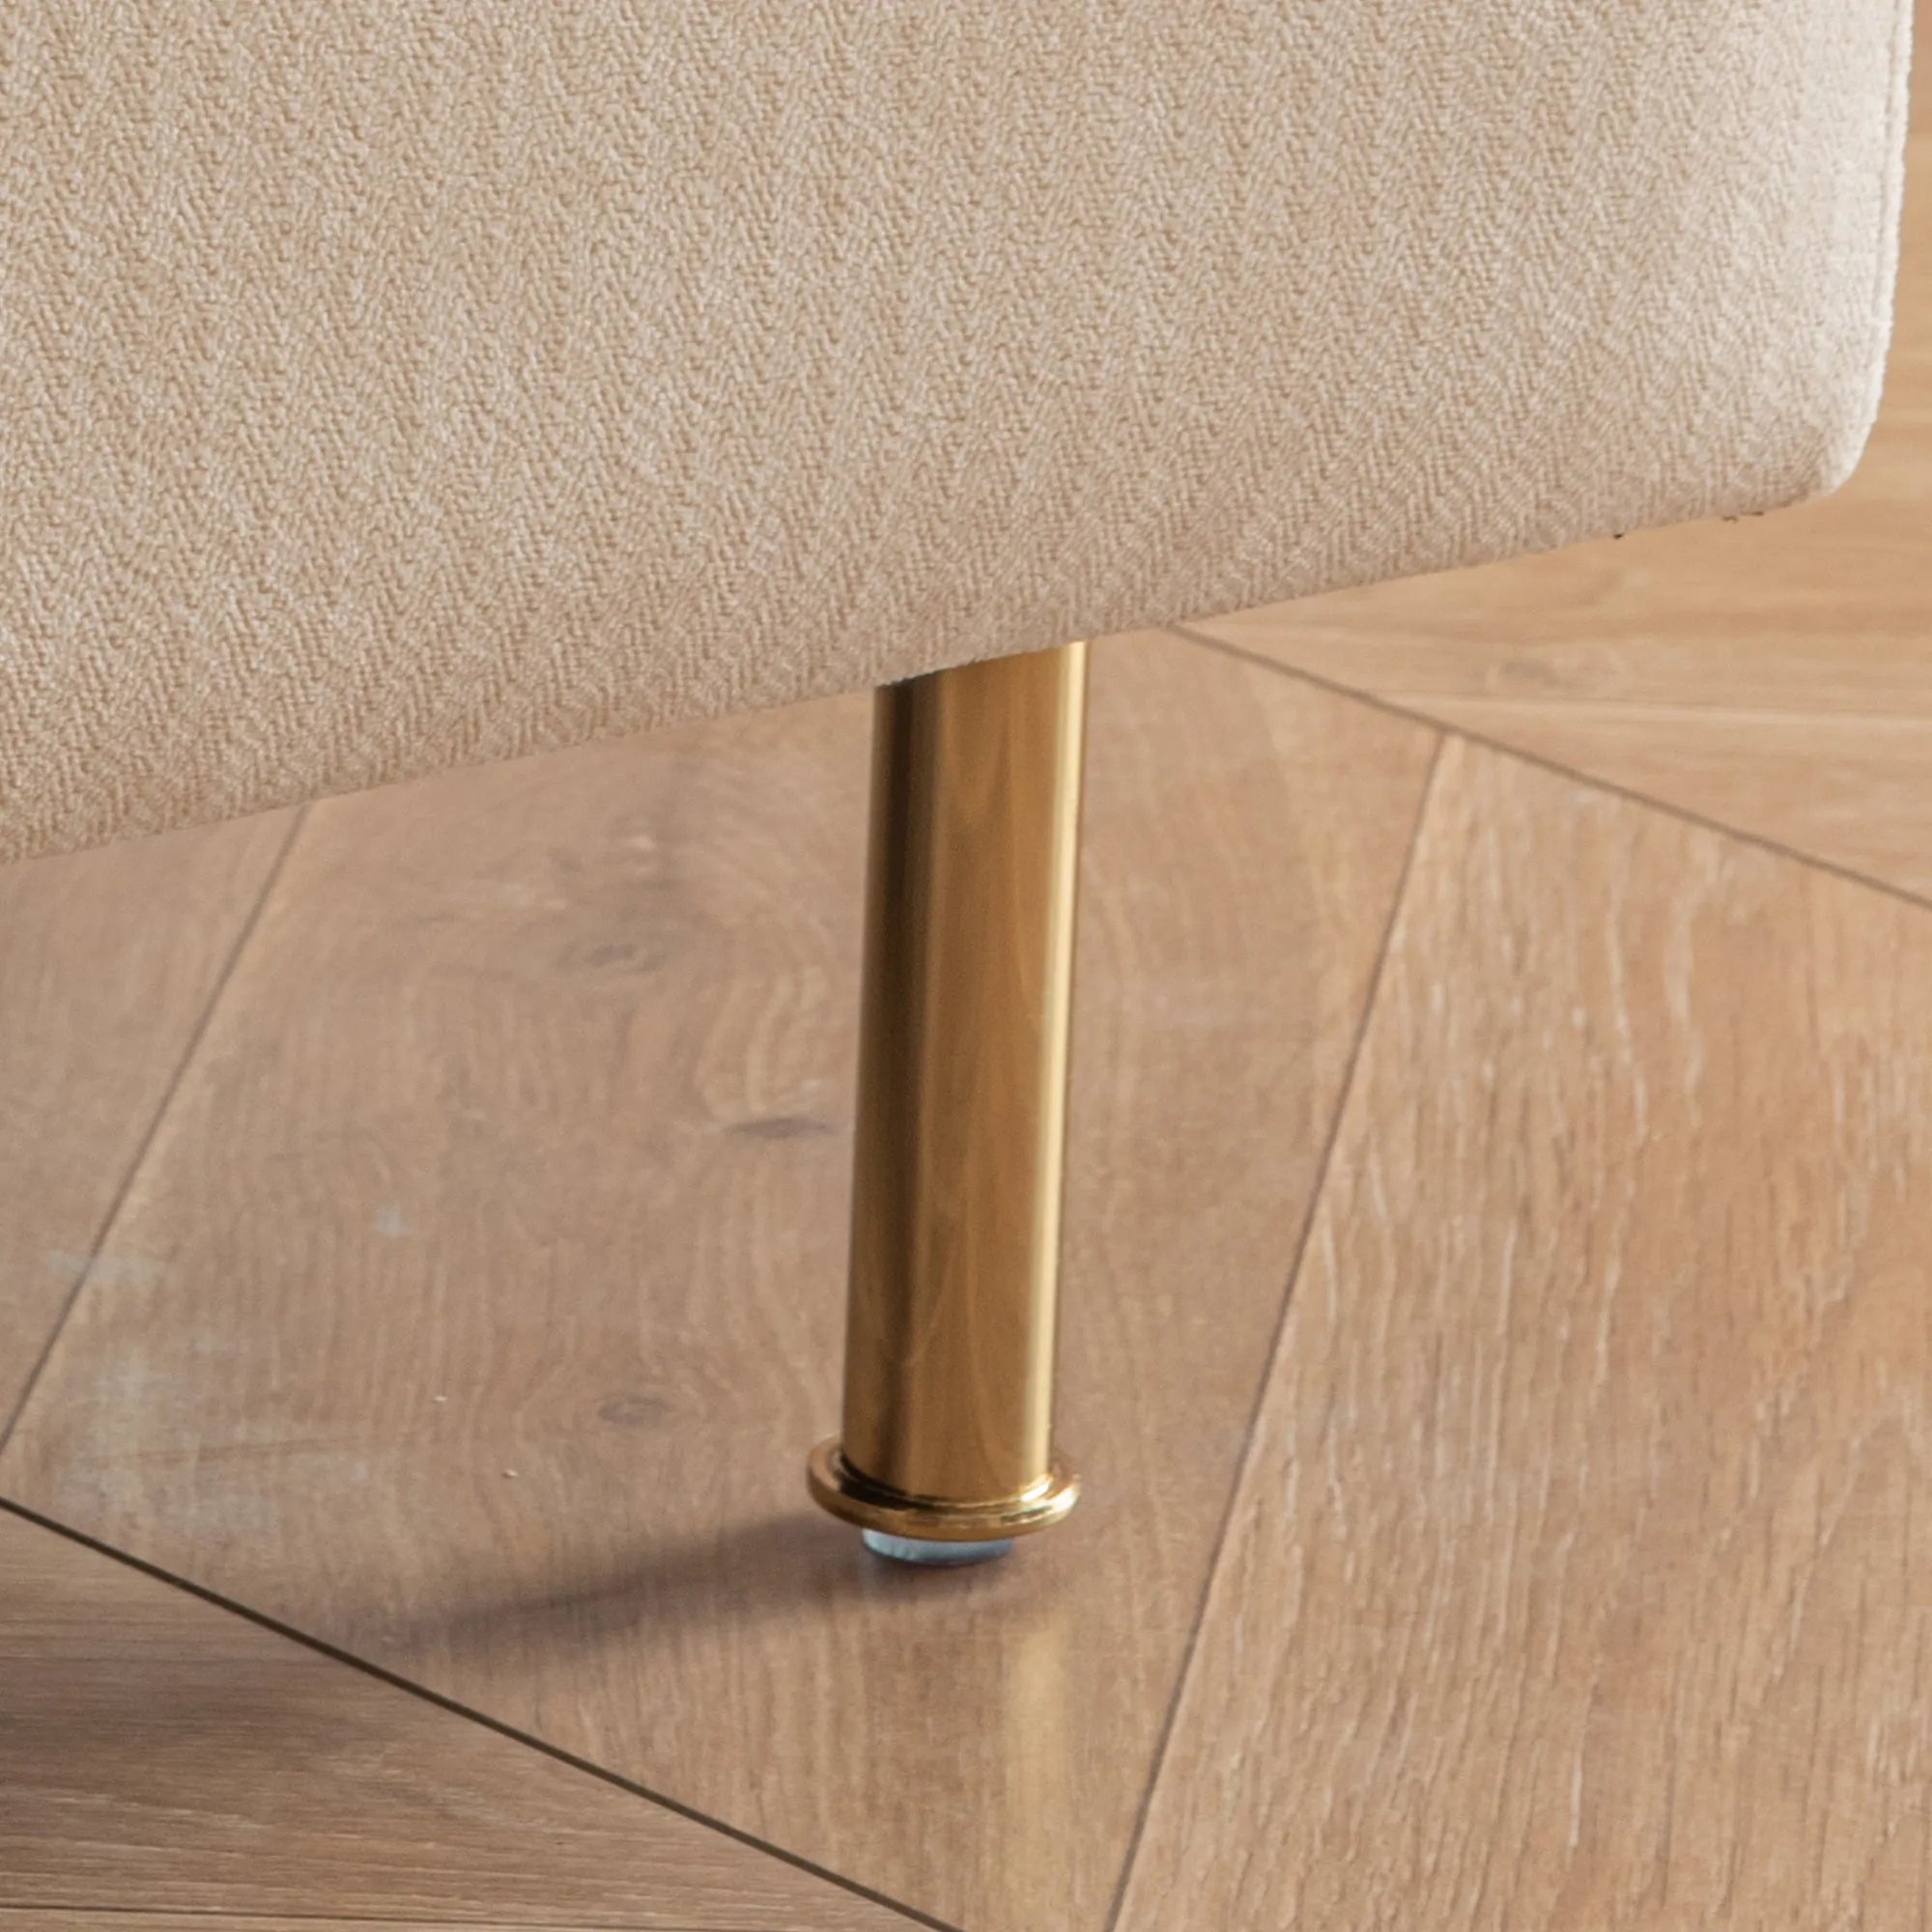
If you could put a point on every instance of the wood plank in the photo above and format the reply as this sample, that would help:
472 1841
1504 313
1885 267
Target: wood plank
1574 1575
159 1754
1853 793
1773 674
32 1919
503 1214
107 964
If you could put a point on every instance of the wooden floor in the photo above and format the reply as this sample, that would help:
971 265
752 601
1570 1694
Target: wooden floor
1499 1328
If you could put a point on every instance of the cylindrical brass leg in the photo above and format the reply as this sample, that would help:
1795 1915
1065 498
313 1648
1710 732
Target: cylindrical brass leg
962 1100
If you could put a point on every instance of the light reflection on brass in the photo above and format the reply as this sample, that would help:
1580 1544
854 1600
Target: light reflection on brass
962 1095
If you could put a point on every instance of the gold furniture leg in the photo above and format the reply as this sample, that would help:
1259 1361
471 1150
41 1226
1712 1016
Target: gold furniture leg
947 1450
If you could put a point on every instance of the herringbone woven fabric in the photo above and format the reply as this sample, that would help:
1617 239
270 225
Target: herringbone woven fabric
388 383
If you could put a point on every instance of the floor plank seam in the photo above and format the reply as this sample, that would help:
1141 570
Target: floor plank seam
382 1675
1501 748
1317 1188
200 1915
145 1147
214 1916
1699 709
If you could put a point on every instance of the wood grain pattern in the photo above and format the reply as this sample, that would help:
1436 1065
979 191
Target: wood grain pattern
1775 675
34 1920
1855 792
1576 1576
158 1754
503 1227
107 964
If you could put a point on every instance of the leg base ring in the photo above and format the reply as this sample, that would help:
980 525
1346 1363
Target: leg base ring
855 1498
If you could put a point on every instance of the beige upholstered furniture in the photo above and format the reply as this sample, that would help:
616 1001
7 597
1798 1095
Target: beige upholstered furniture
390 384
